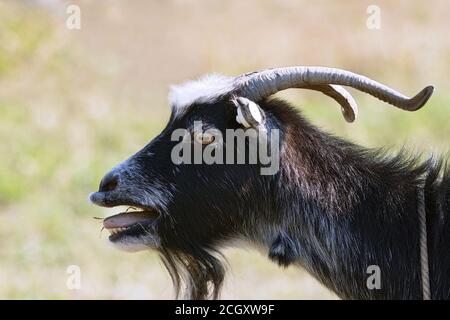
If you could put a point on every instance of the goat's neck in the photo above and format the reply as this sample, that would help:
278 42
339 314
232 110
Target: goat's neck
340 211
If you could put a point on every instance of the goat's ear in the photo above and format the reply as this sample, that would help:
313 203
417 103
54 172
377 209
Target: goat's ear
249 114
284 250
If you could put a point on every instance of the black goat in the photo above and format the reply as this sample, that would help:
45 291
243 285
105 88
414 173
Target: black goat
333 208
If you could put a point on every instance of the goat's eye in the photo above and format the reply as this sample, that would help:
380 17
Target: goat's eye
203 137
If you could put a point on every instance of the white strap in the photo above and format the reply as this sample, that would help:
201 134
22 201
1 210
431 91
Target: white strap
424 266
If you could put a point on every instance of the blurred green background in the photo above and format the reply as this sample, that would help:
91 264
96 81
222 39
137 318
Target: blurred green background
73 103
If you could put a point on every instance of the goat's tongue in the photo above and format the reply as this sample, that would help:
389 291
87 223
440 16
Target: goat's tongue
123 220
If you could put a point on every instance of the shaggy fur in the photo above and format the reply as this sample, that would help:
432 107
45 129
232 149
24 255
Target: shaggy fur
334 208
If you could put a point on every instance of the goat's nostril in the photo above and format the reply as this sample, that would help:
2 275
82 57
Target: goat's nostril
109 182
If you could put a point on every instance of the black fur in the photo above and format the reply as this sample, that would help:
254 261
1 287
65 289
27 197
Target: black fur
284 250
334 208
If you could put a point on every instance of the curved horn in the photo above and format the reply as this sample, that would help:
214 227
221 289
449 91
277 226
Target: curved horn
343 97
261 84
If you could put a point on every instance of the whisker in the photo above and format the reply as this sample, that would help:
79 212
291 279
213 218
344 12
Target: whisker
101 231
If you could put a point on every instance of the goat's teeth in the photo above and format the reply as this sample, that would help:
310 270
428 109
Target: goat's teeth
117 230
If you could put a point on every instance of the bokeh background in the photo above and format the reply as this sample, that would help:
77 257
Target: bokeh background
73 103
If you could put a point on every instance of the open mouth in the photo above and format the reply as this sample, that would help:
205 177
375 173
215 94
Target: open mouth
130 222
131 230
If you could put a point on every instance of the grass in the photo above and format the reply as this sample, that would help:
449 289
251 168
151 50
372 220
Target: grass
72 105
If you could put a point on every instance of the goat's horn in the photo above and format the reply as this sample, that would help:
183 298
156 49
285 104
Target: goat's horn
342 96
261 84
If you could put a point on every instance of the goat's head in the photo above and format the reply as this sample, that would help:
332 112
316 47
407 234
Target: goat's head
187 211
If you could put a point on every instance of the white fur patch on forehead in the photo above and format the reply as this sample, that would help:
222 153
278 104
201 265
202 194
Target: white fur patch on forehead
206 89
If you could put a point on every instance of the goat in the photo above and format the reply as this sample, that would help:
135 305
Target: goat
333 208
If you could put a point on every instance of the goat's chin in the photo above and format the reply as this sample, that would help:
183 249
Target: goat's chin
134 243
